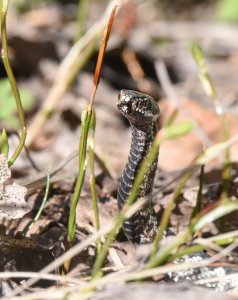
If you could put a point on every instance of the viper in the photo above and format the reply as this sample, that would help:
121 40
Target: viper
142 112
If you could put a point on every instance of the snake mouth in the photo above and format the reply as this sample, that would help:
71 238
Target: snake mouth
123 104
123 108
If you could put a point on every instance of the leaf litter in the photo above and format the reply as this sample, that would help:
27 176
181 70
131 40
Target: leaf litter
12 196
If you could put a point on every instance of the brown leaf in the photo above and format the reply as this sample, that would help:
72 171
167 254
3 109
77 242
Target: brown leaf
5 172
12 197
12 203
179 153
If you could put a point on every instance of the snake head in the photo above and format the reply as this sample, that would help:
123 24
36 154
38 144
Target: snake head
138 108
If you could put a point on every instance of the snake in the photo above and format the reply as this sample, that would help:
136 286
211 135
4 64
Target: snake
142 112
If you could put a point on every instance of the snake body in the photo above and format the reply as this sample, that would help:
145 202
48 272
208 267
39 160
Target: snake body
142 112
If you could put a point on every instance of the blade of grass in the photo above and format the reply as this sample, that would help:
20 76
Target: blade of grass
82 60
40 182
210 90
12 81
207 155
83 6
221 210
173 131
86 121
200 247
197 223
85 118
202 159
164 255
101 54
4 146
215 150
167 213
198 205
92 176
47 189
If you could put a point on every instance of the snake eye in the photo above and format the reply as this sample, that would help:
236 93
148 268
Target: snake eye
144 104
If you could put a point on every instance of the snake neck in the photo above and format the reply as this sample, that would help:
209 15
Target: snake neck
141 227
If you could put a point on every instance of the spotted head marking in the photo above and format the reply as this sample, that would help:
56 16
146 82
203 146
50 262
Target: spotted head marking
137 107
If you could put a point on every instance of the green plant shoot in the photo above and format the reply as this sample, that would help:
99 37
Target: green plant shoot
4 146
11 78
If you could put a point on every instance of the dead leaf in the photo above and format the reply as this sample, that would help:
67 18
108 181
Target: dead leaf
5 172
12 197
179 153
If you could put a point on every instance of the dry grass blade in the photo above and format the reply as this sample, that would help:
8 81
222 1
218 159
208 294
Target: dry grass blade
64 74
46 276
97 72
106 36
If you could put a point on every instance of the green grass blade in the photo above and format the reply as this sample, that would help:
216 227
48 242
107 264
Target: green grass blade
216 213
12 81
86 118
83 7
166 215
210 90
4 146
198 205
47 189
92 175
